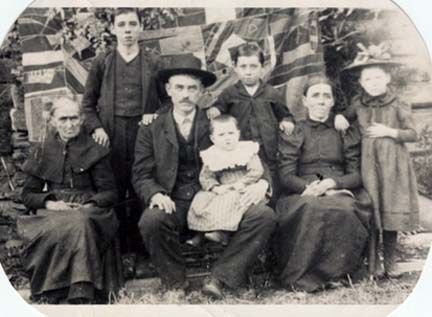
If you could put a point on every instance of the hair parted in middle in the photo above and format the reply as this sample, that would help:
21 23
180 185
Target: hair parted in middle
316 79
248 49
63 101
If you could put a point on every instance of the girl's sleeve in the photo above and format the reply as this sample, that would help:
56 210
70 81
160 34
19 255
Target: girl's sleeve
407 132
207 178
349 112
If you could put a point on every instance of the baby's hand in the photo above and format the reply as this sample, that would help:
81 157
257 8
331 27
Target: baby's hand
212 112
239 186
221 189
378 130
341 123
287 127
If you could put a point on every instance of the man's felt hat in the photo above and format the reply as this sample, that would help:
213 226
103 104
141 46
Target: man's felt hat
186 64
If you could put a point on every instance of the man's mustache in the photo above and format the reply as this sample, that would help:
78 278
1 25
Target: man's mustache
186 100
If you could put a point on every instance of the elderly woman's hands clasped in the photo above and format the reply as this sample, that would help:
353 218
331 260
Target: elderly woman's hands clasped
319 187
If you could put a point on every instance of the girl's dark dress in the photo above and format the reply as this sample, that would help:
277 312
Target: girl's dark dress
70 253
320 239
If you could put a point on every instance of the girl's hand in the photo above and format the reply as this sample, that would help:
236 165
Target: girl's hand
378 130
341 123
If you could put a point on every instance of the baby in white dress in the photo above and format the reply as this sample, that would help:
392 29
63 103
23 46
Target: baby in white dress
229 166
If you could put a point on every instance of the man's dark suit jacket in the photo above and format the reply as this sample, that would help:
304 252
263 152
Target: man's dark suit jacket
156 154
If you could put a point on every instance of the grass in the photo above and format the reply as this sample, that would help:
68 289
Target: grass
382 292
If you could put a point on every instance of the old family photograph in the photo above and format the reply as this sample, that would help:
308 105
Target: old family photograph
214 155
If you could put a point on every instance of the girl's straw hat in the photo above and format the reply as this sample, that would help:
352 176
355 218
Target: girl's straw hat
374 55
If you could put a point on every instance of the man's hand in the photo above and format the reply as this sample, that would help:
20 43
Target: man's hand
101 137
148 118
286 127
163 202
341 124
254 193
212 113
378 130
57 205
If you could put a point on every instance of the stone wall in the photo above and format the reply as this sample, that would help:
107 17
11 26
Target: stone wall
14 147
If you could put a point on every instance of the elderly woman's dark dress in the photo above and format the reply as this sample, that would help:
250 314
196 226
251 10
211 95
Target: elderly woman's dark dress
320 239
69 253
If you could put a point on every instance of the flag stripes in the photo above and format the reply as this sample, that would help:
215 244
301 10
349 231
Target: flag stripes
289 38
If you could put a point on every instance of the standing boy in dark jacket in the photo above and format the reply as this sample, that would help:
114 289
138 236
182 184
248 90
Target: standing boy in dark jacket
121 93
258 107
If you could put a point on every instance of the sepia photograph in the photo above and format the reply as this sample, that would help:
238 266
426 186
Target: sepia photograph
223 154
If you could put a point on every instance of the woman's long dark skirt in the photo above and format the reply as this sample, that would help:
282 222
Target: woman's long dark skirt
69 248
320 239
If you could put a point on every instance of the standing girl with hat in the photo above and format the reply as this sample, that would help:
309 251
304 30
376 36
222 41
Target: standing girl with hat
386 125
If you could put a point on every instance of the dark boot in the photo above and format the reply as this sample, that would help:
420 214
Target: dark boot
213 288
390 247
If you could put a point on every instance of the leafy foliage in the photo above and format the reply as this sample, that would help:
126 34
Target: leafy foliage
422 164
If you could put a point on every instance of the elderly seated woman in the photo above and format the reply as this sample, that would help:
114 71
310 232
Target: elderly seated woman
324 214
70 231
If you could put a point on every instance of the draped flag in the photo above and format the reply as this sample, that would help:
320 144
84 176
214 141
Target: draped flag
289 38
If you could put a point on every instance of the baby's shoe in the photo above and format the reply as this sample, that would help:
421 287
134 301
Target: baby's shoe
195 241
218 237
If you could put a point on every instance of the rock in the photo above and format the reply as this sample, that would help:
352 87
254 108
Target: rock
21 144
5 233
25 294
139 287
19 155
19 179
18 120
13 248
425 213
411 266
420 240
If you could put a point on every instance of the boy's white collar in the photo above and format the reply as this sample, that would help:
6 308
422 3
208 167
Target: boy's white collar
251 90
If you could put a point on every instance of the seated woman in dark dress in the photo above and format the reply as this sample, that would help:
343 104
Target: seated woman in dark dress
69 234
324 216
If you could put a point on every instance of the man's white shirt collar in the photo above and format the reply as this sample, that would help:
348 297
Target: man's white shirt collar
179 118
